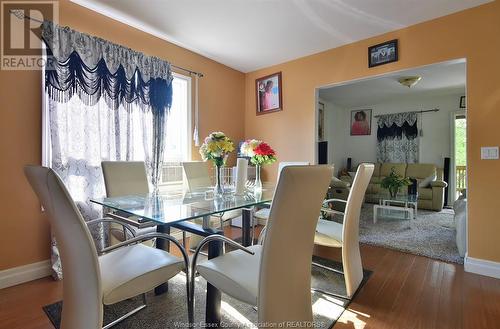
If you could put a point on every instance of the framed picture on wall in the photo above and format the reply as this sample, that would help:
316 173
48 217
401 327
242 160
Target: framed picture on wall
321 121
269 94
361 122
383 53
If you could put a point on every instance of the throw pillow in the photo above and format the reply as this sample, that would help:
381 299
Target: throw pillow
427 181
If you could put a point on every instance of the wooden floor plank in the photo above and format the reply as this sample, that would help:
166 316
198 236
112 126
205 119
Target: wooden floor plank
451 298
429 298
404 305
389 295
473 306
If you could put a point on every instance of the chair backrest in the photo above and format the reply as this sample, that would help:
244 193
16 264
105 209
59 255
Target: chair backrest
351 257
196 174
82 294
285 271
282 165
124 178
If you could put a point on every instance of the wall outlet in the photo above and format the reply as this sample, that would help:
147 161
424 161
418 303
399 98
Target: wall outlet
489 153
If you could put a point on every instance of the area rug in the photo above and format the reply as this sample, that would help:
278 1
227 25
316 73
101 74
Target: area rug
170 311
431 234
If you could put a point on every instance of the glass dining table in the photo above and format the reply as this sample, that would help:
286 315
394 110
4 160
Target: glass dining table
176 209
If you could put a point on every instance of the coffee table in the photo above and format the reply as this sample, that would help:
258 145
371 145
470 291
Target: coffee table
399 207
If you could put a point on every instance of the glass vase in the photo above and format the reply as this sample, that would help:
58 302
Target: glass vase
219 187
258 182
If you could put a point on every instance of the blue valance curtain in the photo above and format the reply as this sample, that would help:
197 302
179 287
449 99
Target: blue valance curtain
94 69
397 138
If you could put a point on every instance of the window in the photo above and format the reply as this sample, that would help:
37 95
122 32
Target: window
178 139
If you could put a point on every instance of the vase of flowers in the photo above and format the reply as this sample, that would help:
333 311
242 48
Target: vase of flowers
260 153
394 182
216 148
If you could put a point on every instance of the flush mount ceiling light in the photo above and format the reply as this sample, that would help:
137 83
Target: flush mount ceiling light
409 81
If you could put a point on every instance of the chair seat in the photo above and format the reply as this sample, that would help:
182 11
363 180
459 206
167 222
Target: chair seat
231 214
328 233
236 273
262 213
133 270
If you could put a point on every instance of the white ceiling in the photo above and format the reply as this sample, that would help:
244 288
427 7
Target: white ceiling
252 34
443 78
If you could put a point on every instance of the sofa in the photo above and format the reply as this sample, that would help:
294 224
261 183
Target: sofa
430 197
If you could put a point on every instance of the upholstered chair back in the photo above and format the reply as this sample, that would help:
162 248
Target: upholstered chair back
351 258
282 165
285 271
82 294
196 174
124 178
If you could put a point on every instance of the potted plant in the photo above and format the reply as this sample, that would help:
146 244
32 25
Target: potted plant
394 182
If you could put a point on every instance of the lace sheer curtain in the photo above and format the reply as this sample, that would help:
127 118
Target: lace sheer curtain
397 138
102 101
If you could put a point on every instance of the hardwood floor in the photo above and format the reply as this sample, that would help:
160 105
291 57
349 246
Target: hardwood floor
404 292
410 292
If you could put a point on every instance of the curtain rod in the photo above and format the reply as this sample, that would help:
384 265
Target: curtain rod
422 111
20 15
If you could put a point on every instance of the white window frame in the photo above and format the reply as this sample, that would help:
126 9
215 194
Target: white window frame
189 136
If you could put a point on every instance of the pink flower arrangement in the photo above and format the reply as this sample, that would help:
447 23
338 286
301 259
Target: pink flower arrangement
259 152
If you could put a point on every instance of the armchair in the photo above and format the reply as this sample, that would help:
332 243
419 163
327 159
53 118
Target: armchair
438 187
122 271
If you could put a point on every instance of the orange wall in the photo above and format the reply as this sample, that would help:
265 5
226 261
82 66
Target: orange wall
472 34
25 231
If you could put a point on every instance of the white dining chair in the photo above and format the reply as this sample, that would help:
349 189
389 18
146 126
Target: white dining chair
198 179
263 213
346 235
125 270
275 276
123 178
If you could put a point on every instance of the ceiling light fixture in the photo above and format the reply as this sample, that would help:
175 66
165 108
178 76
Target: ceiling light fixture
409 81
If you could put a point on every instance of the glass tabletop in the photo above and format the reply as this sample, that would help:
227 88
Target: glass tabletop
177 206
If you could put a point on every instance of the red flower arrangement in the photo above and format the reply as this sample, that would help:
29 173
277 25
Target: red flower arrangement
264 149
259 152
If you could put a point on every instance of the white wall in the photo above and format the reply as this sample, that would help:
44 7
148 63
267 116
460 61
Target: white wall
434 145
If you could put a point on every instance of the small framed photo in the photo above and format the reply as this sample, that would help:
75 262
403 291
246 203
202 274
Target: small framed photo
361 122
462 102
269 94
383 53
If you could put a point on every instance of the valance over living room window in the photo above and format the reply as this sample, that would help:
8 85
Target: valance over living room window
397 138
396 125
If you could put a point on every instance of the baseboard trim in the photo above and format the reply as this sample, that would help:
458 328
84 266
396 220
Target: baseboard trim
482 267
21 274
